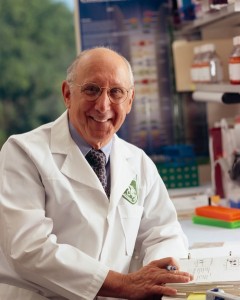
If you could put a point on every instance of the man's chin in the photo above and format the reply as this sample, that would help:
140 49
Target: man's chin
100 136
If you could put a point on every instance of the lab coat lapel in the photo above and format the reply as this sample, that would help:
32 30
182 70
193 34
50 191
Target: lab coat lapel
122 171
75 165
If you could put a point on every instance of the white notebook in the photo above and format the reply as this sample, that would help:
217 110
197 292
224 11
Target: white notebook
209 272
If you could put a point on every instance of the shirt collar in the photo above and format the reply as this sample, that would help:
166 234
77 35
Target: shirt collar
84 146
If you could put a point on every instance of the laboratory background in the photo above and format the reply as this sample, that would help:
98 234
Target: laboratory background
185 56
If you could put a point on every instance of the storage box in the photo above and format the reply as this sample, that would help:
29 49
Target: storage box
178 166
178 176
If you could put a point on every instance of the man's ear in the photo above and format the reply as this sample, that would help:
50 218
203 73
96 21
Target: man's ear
66 92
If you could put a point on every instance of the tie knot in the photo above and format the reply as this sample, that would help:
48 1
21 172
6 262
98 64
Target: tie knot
96 158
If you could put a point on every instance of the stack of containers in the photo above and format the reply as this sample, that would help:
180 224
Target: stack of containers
206 66
217 216
179 167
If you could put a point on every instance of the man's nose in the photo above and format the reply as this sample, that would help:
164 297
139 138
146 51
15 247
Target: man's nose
103 101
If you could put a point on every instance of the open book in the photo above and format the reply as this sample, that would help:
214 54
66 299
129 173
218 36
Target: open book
210 272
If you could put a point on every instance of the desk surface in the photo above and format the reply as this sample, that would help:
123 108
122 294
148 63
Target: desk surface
204 234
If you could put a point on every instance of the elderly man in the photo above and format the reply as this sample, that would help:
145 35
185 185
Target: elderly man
72 228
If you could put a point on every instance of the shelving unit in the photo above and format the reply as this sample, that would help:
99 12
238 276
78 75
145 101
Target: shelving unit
183 56
227 16
217 27
218 88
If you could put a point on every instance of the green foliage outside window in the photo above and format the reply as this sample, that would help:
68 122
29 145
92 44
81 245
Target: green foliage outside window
37 44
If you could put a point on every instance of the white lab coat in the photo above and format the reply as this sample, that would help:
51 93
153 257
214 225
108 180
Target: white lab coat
59 233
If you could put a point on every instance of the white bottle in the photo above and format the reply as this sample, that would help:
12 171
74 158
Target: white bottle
211 70
196 63
204 66
234 62
201 65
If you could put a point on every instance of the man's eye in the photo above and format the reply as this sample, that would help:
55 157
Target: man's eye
90 90
117 92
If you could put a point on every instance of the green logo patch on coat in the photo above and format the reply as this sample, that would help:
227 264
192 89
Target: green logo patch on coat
131 192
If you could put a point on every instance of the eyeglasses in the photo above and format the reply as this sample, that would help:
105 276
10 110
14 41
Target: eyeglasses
91 92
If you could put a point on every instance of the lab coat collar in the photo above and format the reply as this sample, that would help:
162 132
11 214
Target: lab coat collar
76 167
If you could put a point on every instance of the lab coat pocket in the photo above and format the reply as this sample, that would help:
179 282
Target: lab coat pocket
130 216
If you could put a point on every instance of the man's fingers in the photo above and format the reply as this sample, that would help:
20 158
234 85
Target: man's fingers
172 268
165 262
164 290
174 277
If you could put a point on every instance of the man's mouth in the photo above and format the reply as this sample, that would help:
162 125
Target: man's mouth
100 120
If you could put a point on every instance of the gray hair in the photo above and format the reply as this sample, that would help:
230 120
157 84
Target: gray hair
72 69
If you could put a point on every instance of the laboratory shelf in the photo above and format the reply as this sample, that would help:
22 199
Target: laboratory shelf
222 87
226 16
222 93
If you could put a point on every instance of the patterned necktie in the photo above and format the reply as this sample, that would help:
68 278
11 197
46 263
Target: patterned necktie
97 161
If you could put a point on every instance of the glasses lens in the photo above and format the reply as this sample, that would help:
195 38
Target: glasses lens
118 94
91 91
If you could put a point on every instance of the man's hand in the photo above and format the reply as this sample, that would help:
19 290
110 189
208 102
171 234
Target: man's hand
147 282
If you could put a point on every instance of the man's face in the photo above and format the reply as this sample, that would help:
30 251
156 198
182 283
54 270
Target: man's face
97 121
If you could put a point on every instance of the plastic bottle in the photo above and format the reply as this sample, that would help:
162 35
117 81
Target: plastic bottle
234 62
196 64
204 68
201 64
211 70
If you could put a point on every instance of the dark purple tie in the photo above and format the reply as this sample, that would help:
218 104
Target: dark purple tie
97 161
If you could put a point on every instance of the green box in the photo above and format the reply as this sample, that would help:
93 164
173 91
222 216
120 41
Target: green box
177 175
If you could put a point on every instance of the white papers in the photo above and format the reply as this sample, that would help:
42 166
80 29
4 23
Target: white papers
212 269
213 265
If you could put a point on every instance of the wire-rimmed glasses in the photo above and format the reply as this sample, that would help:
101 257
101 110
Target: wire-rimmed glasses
91 92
